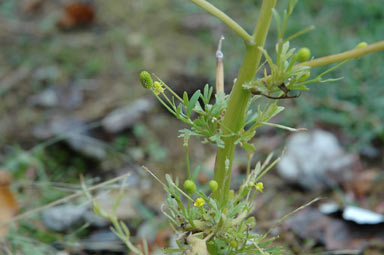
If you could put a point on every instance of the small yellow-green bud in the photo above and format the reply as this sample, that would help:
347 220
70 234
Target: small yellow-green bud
251 184
199 202
146 80
158 88
233 244
361 45
259 186
190 186
213 185
303 55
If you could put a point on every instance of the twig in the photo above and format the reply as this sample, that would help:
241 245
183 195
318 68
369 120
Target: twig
62 200
291 213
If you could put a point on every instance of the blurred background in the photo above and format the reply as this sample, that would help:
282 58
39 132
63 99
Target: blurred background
71 104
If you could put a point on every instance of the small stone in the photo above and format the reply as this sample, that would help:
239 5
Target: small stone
125 117
63 217
312 160
76 133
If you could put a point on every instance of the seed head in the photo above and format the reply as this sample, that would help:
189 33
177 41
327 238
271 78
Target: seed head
303 55
190 186
213 185
146 80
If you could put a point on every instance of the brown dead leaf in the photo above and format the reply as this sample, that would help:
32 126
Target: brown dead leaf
76 14
8 204
363 183
162 238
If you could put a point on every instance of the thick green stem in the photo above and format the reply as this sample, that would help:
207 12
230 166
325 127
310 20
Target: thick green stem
235 115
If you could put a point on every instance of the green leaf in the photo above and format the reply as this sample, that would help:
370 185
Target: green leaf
185 98
206 97
272 111
198 108
299 87
179 111
217 139
196 172
192 102
277 18
249 147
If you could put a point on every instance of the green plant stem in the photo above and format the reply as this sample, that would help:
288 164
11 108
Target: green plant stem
235 115
187 162
351 54
211 9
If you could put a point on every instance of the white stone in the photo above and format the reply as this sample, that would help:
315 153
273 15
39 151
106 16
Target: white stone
312 158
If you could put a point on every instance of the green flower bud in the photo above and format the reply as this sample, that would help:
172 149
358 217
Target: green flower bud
361 45
233 244
158 88
190 186
303 55
146 80
213 185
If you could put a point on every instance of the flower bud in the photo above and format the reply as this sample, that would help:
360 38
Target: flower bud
199 202
259 186
146 80
303 55
233 244
213 185
190 186
361 45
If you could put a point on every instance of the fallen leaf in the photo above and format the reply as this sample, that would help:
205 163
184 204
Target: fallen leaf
362 184
162 238
8 204
76 14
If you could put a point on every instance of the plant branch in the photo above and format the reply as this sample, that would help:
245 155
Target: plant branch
339 57
235 115
347 55
211 9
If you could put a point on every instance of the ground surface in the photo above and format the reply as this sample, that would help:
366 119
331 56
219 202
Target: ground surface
61 75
